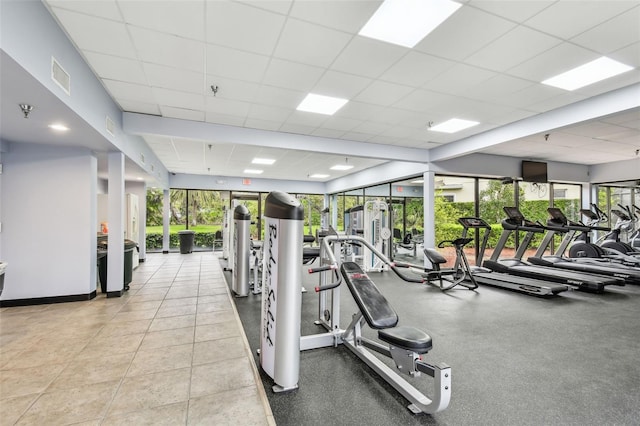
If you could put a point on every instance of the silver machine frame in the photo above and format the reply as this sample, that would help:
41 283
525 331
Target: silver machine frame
406 362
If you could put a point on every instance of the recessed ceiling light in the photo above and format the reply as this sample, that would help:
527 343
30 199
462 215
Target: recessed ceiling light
253 171
453 125
406 22
318 176
321 104
139 178
589 73
59 127
418 181
267 161
342 167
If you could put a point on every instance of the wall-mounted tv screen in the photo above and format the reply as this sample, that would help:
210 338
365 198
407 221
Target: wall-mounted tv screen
534 171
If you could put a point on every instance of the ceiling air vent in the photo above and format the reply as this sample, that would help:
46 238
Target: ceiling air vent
142 158
60 76
111 127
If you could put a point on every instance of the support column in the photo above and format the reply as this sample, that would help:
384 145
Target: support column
334 211
166 216
429 191
116 200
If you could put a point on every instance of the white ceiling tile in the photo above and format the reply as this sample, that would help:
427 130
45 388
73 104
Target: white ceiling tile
367 57
400 132
383 140
174 79
357 136
141 107
242 27
518 11
340 85
629 55
497 87
231 120
416 68
383 93
296 128
327 133
554 61
630 119
269 113
513 48
167 49
622 80
340 123
116 68
458 79
107 9
178 99
96 34
349 16
310 44
465 32
612 35
181 113
275 96
227 106
232 89
235 64
292 75
304 118
358 110
556 102
423 101
185 18
278 6
131 92
563 19
371 128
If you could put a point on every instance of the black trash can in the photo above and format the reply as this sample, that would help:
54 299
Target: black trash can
3 266
186 241
129 247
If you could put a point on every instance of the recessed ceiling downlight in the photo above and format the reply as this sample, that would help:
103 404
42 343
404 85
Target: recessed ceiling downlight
58 127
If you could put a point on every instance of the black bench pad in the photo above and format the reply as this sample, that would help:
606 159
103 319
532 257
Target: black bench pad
374 306
434 256
409 338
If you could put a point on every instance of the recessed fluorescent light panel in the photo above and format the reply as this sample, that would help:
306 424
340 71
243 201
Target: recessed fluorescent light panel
453 125
406 22
418 181
589 73
253 171
321 104
342 167
267 161
59 127
318 176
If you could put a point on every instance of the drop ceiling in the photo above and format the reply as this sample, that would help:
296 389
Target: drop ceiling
485 64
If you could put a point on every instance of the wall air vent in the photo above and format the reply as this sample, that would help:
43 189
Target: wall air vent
111 127
60 76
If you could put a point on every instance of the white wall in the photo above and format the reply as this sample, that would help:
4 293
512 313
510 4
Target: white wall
48 208
615 172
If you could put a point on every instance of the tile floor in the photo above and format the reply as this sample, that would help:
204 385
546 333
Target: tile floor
171 351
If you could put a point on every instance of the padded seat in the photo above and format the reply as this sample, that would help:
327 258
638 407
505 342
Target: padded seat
375 308
409 338
434 256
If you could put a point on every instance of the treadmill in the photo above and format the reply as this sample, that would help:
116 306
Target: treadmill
484 276
515 222
559 224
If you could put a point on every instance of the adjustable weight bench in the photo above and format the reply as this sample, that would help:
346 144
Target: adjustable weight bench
405 344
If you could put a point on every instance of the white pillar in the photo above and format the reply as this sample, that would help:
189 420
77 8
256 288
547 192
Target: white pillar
115 253
429 213
166 216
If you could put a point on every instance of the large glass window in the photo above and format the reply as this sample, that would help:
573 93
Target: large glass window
493 196
454 198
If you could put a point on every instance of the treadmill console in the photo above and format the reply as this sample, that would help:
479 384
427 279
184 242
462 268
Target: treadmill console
589 214
557 217
473 222
622 215
516 218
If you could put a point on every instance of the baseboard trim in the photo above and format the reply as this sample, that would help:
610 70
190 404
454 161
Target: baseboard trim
47 300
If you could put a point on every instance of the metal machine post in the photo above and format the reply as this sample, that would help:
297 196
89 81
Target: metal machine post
281 290
241 244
